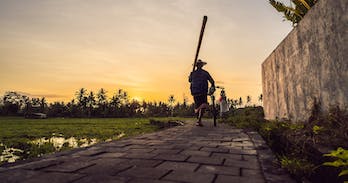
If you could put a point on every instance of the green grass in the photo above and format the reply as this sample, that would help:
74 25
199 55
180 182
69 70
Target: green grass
16 132
100 128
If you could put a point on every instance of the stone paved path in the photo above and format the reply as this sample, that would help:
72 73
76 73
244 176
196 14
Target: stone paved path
181 154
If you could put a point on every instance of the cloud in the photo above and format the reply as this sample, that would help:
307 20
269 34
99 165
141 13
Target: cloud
47 95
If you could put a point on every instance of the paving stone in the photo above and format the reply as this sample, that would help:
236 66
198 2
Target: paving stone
140 155
115 149
141 142
195 153
106 167
166 151
115 144
95 178
163 146
37 165
220 149
206 160
219 170
110 155
248 152
172 157
89 152
137 146
240 139
54 177
249 147
138 172
242 164
251 158
237 145
144 180
181 146
257 174
138 150
69 166
168 165
17 175
229 179
144 163
193 177
227 155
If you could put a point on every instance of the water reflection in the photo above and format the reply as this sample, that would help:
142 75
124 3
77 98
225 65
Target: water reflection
38 147
60 142
9 154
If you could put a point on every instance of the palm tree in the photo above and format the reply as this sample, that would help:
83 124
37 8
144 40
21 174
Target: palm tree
43 104
171 101
91 102
248 100
81 97
293 14
102 101
261 98
240 103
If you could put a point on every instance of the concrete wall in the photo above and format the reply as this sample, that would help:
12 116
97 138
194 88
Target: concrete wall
311 62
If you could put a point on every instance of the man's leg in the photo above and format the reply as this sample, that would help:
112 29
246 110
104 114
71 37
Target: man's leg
201 111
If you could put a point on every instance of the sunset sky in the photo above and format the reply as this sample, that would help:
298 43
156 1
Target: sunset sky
52 48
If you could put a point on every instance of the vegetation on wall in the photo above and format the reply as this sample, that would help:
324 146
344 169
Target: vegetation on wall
295 11
300 147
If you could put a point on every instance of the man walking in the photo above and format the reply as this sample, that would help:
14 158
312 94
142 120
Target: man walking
199 89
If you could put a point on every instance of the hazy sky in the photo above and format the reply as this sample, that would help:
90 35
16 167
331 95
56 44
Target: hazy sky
52 48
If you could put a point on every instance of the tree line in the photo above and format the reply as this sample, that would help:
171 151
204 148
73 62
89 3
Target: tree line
91 104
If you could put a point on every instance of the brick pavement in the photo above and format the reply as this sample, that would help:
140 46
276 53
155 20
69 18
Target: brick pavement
180 154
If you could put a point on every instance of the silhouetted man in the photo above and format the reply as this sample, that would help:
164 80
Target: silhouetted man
199 89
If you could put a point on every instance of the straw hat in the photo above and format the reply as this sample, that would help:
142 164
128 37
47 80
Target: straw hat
200 62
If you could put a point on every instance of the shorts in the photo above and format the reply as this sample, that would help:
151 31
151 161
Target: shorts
200 99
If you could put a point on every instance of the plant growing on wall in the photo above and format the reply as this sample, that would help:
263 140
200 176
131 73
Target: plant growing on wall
341 161
295 11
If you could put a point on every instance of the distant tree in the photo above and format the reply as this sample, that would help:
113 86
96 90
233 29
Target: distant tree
236 102
57 109
260 98
73 109
43 105
102 102
81 96
171 101
14 102
296 11
185 100
91 103
240 102
134 109
232 103
248 100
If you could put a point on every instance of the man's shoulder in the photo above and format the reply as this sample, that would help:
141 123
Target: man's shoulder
206 72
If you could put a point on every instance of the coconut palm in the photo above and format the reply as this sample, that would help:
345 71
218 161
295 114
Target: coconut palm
91 102
81 96
240 103
171 101
295 11
102 101
261 98
248 100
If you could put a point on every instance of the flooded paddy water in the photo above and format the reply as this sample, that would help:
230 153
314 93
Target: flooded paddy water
22 138
44 145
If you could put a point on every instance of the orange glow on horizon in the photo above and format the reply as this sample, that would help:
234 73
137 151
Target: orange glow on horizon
52 49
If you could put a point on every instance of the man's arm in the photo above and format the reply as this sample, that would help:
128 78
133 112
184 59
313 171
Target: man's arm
211 80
